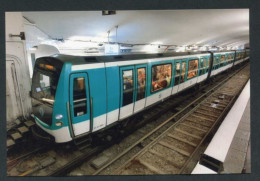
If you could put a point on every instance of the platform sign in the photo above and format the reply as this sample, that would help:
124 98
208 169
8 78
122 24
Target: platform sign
111 49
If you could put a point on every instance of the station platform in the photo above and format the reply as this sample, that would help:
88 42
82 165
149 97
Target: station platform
238 159
229 151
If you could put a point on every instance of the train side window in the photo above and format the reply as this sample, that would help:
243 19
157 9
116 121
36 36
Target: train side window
141 80
193 68
183 72
161 77
202 67
127 87
177 73
79 96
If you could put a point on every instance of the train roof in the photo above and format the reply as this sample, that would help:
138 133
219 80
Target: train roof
114 58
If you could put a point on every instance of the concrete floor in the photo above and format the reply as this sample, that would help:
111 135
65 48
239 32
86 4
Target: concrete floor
238 159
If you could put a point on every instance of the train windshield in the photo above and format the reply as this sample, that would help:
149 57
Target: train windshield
44 82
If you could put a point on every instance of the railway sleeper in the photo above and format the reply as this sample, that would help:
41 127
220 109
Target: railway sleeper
205 123
195 125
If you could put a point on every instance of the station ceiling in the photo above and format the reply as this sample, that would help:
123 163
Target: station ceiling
222 27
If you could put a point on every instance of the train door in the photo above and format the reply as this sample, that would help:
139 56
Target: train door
207 64
202 69
177 76
127 91
141 85
80 103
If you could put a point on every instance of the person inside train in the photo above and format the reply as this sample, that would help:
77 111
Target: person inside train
162 83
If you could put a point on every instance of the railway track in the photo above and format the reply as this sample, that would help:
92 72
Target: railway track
59 168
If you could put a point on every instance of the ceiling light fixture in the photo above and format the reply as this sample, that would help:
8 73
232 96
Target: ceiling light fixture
108 12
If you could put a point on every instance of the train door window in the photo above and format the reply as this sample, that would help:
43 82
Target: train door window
161 77
79 96
214 63
229 58
208 62
183 72
238 56
202 67
127 87
193 68
226 60
222 60
177 73
218 61
141 81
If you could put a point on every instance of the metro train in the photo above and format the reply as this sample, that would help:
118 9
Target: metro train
76 96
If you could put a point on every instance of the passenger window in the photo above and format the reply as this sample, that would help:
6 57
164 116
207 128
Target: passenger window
193 68
79 96
161 77
127 87
177 73
202 67
183 72
141 80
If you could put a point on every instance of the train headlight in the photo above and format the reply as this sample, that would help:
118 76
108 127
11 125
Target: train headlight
59 123
58 116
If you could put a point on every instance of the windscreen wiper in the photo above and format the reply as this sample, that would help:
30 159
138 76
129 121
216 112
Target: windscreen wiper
50 101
